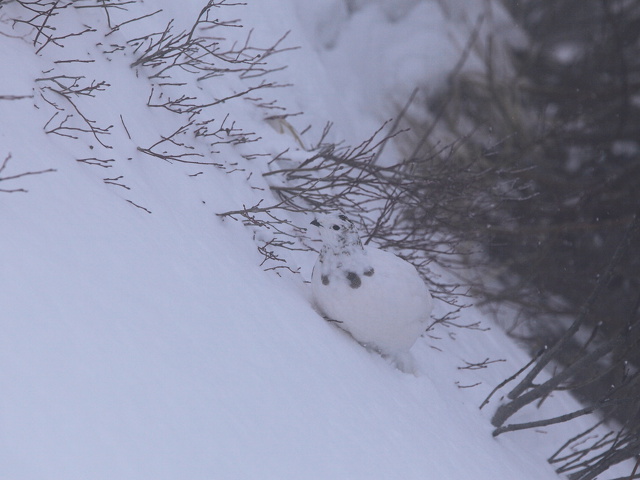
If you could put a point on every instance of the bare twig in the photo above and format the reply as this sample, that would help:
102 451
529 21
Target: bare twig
6 178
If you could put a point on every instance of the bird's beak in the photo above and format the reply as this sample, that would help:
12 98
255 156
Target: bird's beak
315 222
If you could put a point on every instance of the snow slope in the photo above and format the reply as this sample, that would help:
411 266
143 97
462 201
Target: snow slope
140 338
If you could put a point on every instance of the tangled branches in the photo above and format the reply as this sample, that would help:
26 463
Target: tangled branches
174 60
416 207
70 89
196 51
42 13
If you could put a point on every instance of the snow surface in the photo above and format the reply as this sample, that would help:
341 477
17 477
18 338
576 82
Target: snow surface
140 338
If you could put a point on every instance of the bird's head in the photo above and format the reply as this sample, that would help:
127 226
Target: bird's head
338 233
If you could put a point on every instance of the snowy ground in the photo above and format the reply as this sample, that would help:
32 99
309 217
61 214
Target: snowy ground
140 338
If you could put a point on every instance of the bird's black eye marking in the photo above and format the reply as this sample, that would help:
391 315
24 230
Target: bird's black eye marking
325 279
343 218
336 227
354 280
370 272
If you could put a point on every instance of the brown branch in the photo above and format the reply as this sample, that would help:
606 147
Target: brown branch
15 97
138 206
561 418
5 162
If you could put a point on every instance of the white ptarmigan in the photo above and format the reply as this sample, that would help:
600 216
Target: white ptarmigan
376 296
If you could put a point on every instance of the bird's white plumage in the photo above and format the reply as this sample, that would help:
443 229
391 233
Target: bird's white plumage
376 296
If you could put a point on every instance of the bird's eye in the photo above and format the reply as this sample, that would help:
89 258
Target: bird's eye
336 227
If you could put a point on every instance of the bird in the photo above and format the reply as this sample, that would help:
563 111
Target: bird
376 296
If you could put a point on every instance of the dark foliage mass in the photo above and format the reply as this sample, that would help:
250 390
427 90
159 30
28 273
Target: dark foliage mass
567 129
583 76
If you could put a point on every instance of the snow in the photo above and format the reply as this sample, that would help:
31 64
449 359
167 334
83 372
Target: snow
140 338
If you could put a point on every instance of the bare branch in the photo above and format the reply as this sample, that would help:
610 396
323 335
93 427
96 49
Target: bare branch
7 178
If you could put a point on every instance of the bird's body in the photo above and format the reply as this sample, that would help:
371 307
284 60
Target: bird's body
379 298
